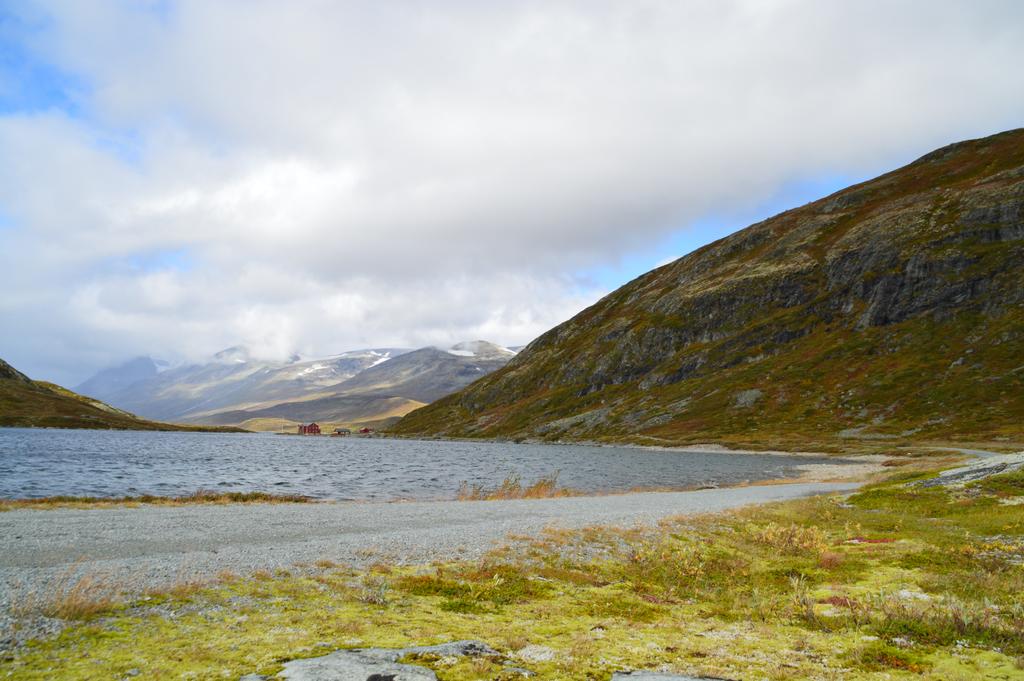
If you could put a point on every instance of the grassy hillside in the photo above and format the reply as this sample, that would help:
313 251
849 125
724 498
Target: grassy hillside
891 311
36 404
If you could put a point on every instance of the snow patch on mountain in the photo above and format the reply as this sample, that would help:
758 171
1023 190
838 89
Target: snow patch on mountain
315 367
479 348
381 359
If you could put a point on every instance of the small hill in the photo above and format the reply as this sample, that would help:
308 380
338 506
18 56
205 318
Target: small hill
37 404
336 409
892 310
9 373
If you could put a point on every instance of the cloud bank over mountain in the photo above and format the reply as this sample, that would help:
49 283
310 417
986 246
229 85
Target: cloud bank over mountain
178 177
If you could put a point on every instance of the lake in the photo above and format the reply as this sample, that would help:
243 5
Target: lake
102 463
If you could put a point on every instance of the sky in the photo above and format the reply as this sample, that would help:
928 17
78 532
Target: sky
177 177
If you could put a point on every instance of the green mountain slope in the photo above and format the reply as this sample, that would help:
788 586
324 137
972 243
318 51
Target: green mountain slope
28 403
892 310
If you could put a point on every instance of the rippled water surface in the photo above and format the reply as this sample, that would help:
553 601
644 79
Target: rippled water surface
36 463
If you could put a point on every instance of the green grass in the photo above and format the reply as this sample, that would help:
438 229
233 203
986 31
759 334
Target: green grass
895 582
1006 485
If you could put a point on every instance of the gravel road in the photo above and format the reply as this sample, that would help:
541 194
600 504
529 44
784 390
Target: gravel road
150 546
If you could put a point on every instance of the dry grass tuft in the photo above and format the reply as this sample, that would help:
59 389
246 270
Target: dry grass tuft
181 590
793 540
353 627
830 560
200 496
516 642
512 487
77 595
374 591
72 595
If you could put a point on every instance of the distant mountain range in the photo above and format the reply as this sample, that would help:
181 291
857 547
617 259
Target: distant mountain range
357 387
890 311
38 404
231 380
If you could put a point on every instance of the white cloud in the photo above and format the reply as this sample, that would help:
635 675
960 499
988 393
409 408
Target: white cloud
348 174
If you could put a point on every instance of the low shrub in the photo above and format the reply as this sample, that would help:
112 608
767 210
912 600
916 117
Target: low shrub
794 540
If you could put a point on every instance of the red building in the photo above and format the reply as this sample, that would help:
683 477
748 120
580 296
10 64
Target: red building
311 429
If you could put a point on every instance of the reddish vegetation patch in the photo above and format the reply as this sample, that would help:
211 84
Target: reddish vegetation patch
830 560
841 601
897 662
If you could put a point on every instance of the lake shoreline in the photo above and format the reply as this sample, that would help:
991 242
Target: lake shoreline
157 547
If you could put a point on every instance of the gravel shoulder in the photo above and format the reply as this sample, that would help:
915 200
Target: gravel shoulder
154 546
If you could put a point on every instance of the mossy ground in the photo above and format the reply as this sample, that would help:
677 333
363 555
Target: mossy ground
897 581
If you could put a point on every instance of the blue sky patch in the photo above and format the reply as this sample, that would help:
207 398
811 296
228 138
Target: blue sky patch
712 227
29 83
177 259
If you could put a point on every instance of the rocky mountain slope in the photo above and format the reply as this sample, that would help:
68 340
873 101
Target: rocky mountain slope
428 374
28 403
892 310
385 390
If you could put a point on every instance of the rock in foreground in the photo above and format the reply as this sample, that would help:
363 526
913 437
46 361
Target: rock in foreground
378 664
659 676
382 664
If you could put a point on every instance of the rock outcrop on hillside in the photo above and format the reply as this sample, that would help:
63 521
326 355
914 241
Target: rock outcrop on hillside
892 309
